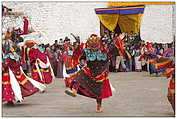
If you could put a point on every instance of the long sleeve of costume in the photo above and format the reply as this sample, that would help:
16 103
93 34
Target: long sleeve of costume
34 54
77 56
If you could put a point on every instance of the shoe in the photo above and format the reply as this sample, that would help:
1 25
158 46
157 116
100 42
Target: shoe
116 70
71 93
43 91
10 103
99 109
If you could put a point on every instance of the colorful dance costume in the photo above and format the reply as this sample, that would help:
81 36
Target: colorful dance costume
15 84
168 63
148 54
41 69
170 73
69 66
92 80
167 66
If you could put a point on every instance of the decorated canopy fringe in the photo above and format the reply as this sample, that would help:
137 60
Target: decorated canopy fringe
127 17
115 4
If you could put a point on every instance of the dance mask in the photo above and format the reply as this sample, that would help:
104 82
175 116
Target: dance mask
93 42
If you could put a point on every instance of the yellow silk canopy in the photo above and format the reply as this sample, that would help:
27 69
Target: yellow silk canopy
127 23
128 15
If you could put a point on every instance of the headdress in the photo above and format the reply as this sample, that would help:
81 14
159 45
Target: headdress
30 43
93 42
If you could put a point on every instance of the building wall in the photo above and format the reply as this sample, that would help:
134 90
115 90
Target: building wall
58 19
158 23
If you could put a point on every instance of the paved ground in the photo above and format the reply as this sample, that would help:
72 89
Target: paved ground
136 94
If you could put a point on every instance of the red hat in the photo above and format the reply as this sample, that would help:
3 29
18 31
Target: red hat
93 35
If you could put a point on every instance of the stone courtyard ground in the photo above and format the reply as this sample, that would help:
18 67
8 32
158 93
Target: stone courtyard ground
137 94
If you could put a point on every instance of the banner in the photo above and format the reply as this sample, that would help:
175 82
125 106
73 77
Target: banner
127 17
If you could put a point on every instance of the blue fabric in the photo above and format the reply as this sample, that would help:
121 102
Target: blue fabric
128 64
70 52
169 55
95 55
11 56
39 48
7 46
73 70
158 51
150 56
118 10
152 69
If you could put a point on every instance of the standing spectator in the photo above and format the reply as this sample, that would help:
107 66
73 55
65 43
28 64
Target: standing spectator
55 44
159 50
152 60
121 49
144 62
59 73
5 10
106 37
60 42
170 51
50 52
138 66
8 34
114 53
131 37
129 61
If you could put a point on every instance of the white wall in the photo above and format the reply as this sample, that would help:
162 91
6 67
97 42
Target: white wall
59 19
158 25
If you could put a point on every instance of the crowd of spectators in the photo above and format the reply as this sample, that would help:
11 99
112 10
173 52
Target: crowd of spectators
133 45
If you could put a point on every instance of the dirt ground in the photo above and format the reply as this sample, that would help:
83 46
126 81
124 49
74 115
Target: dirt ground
137 94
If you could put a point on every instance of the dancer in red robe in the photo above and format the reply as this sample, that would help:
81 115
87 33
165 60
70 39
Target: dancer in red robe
41 69
15 84
170 74
167 66
70 68
92 80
